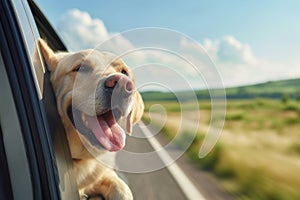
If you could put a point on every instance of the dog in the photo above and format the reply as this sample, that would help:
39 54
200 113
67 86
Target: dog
93 91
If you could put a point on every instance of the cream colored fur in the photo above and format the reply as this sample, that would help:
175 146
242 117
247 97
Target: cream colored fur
93 178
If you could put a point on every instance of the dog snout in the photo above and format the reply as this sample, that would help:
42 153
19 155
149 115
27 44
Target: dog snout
121 82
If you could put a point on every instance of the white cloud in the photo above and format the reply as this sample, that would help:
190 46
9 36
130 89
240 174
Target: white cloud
229 50
238 64
79 30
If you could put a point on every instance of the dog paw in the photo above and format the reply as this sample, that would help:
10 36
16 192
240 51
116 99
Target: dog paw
120 193
95 197
84 197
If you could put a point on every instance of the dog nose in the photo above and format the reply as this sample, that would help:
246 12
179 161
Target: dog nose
121 81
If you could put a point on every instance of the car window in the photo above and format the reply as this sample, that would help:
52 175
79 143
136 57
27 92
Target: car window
5 184
67 183
12 145
36 150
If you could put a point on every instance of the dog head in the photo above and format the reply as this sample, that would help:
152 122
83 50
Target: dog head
93 91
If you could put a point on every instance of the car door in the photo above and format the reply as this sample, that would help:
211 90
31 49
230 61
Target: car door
35 159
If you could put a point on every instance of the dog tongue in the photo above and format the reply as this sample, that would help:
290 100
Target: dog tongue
107 131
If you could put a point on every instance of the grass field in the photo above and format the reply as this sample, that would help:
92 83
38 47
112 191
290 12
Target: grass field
258 154
271 90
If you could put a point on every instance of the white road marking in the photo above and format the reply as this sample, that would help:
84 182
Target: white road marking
188 188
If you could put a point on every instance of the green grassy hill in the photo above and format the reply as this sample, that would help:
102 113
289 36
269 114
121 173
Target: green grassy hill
271 89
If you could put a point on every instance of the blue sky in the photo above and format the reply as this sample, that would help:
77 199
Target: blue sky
269 31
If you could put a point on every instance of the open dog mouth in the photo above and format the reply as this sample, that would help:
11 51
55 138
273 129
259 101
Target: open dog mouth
102 128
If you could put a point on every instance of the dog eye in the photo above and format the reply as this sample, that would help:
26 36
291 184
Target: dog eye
82 68
124 72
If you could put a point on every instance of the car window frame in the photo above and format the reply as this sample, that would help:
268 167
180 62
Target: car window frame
68 185
28 92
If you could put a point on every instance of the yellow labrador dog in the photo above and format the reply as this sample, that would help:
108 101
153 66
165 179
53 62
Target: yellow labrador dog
94 90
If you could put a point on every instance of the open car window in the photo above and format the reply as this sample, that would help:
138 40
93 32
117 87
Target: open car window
67 182
35 158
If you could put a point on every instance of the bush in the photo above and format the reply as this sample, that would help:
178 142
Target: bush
291 107
210 161
295 148
285 98
234 117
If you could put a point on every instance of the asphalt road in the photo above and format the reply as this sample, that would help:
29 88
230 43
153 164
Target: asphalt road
158 184
152 184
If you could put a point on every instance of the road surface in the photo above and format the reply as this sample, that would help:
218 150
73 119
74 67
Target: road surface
163 183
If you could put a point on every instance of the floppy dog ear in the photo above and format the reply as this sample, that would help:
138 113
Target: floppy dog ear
136 113
48 54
